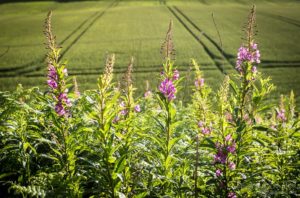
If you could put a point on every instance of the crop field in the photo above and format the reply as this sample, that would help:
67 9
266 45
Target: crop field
88 30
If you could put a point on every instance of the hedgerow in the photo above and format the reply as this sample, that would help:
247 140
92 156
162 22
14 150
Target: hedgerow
108 143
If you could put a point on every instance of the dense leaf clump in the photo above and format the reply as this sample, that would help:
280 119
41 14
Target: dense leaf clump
108 143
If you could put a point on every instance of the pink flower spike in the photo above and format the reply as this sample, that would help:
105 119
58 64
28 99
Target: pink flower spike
254 69
122 104
281 115
231 165
206 131
52 72
199 82
168 89
124 112
137 108
228 138
60 109
51 83
200 124
218 172
147 94
231 195
175 75
254 46
231 148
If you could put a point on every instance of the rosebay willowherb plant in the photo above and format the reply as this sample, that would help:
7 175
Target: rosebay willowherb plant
108 143
166 137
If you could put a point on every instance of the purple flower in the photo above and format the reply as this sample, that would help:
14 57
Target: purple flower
218 172
124 112
281 115
206 130
273 127
147 94
200 124
231 148
256 57
168 89
52 77
231 195
52 74
199 82
51 83
122 104
137 108
246 55
228 138
175 75
254 69
238 66
60 109
231 165
220 157
228 117
254 46
64 98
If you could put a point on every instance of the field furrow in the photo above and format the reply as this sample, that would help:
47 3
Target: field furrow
87 31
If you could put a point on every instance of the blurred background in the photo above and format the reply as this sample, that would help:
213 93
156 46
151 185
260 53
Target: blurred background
88 30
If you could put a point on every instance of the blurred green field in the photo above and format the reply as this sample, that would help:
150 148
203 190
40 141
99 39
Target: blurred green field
88 30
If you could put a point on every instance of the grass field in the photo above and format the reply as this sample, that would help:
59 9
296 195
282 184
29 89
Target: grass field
90 29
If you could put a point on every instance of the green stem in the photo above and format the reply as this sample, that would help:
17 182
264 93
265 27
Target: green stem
111 181
168 123
196 166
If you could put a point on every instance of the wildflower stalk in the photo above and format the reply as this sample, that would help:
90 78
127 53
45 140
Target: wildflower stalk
201 114
129 111
245 62
58 91
223 108
247 58
105 98
166 95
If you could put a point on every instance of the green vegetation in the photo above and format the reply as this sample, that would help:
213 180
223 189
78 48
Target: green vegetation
89 30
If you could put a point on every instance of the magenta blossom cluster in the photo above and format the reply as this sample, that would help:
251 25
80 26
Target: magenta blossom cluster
204 129
147 94
137 108
199 82
223 150
219 172
175 74
168 89
124 111
231 195
246 55
62 100
281 115
52 77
